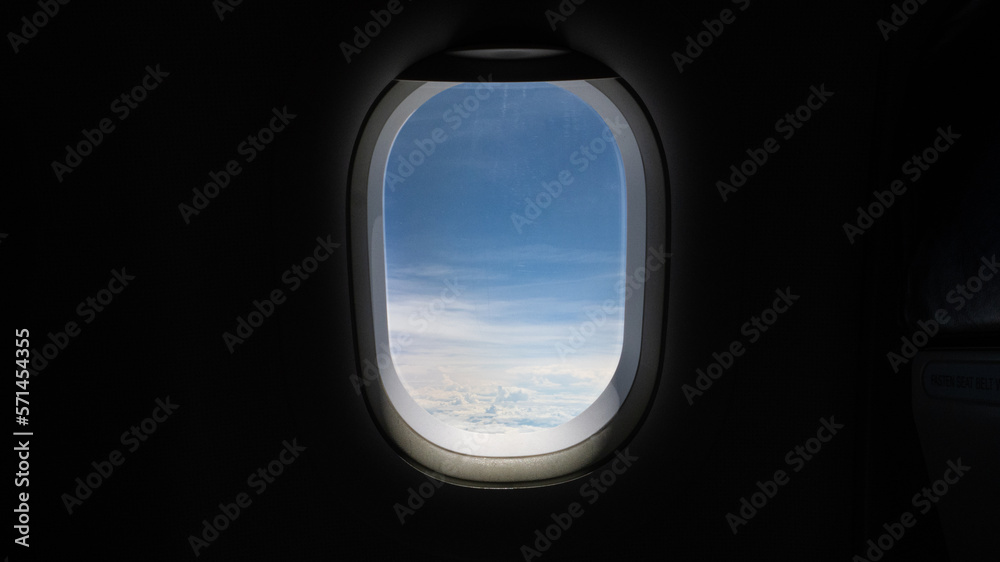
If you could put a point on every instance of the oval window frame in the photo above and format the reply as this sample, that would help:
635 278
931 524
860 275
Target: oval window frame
572 448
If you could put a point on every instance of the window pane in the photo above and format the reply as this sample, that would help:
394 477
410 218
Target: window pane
504 226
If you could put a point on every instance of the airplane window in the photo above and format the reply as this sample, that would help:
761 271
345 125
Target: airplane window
504 218
508 243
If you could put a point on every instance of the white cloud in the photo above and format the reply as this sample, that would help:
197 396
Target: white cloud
487 359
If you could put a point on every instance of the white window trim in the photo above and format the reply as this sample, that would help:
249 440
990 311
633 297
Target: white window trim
536 457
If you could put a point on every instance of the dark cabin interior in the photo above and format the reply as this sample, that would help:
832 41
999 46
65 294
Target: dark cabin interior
870 288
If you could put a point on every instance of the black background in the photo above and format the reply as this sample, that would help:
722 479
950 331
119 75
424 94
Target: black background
162 336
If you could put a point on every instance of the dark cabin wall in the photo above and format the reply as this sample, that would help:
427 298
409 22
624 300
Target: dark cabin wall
290 380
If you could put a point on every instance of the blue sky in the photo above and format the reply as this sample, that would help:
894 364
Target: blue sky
483 305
